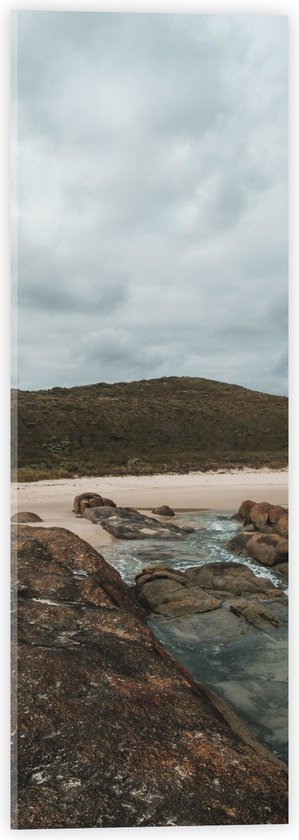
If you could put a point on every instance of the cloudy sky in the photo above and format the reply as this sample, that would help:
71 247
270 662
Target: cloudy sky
150 198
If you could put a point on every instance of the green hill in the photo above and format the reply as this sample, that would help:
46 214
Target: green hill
156 425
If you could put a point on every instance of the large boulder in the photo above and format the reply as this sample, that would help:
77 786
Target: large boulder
232 577
108 730
268 549
167 592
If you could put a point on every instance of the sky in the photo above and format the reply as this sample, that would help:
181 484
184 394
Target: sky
150 198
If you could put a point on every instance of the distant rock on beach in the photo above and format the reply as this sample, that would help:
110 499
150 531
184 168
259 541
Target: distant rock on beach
125 522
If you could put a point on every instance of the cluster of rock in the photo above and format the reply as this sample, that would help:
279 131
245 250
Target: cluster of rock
125 522
200 589
264 536
110 730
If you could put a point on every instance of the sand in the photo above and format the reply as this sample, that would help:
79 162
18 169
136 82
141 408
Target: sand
53 500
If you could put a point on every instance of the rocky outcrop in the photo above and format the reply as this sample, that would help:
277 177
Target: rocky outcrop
129 524
200 589
261 514
111 731
25 516
164 510
264 537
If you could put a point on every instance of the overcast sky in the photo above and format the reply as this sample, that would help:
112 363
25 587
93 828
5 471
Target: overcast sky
150 202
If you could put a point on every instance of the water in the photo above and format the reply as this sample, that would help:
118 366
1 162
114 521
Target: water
246 667
213 530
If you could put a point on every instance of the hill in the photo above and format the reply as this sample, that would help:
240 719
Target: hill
155 425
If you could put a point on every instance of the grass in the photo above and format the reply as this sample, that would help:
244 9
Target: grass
171 424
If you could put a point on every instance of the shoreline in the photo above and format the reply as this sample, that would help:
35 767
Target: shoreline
53 499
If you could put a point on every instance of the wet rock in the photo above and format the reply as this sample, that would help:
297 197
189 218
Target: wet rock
164 510
25 516
90 673
231 577
254 613
238 544
169 592
128 524
283 568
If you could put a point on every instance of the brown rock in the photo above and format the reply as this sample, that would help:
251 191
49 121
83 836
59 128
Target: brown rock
89 671
282 526
275 514
168 596
268 549
25 516
108 503
259 514
164 510
88 497
238 544
244 511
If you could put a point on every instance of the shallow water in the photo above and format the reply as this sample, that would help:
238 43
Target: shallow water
247 668
207 544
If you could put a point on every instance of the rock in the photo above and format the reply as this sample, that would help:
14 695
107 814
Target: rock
108 503
25 516
282 526
238 544
262 516
254 613
283 568
128 524
244 511
91 678
268 549
232 577
275 514
164 510
94 499
168 592
259 514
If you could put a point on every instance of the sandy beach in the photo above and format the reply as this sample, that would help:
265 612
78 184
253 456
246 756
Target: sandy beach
53 500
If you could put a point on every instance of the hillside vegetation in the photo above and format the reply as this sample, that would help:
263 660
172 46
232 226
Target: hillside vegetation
156 425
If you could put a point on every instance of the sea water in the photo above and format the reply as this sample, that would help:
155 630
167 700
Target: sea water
207 543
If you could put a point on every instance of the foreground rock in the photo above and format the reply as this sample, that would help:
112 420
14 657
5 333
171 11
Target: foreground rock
264 537
111 731
128 524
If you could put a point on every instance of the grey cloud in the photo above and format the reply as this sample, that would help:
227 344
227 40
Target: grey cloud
151 197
